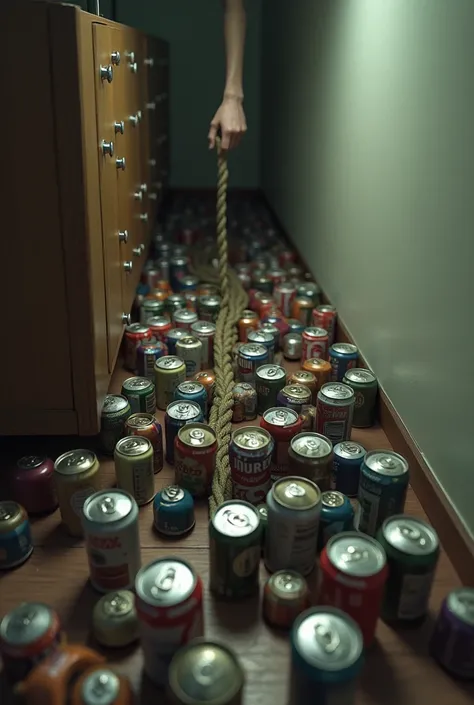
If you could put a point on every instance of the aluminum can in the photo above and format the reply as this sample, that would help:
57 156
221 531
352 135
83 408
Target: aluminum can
334 410
294 396
321 369
151 275
277 275
179 413
282 424
262 282
32 484
184 318
383 485
269 380
302 309
325 316
170 371
250 455
310 456
314 344
285 595
114 619
311 290
206 289
191 300
205 331
160 327
193 391
348 457
365 386
147 354
76 477
326 658
305 379
247 322
160 294
250 356
412 549
235 533
195 451
101 686
189 283
208 379
205 672
28 634
265 338
115 412
110 522
337 514
173 511
150 308
190 351
276 320
292 346
343 357
172 337
286 257
178 270
294 506
270 328
134 334
208 307
245 403
162 269
295 326
262 510
452 642
173 303
354 571
169 606
262 302
146 425
134 469
284 295
16 545
140 393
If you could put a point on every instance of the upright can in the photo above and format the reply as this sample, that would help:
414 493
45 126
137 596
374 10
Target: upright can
148 353
383 488
250 455
343 357
208 307
245 402
32 484
140 393
263 337
150 308
269 380
208 379
337 515
173 511
76 476
321 369
248 321
452 642
173 303
282 424
169 608
115 412
134 334
114 619
160 327
172 337
334 411
133 458
170 371
195 392
179 413
110 522
285 595
284 295
195 458
365 386
315 343
99 685
250 357
292 346
147 426
295 396
325 317
309 289
205 331
293 506
305 379
190 351
295 326
184 318
16 545
310 455
302 309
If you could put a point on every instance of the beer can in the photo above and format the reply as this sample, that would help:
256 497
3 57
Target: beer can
208 307
452 642
170 371
320 368
310 455
76 477
250 356
273 330
348 457
337 514
173 511
294 506
248 321
250 455
324 316
302 309
140 393
284 295
208 379
134 334
314 343
99 685
294 396
343 357
114 619
134 469
195 458
16 545
160 326
311 290
292 346
115 412
334 411
170 611
146 425
32 484
235 533
295 326
190 351
147 354
383 485
205 331
365 386
305 379
173 303
172 337
285 595
193 391
412 549
150 308
265 338
353 575
110 522
269 380
178 413
282 424
245 402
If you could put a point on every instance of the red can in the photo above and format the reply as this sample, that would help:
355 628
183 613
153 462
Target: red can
33 486
165 286
134 334
150 276
325 317
315 344
188 236
263 301
353 574
286 257
159 326
277 276
191 300
248 321
195 448
146 425
284 295
282 424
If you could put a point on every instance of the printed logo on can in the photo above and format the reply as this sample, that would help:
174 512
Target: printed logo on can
359 400
246 562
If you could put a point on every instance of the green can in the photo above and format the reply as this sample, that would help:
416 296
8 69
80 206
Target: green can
115 412
235 544
269 380
263 511
412 548
173 303
170 372
140 393
365 386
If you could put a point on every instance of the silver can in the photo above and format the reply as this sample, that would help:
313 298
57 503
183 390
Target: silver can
151 308
102 687
134 468
334 411
162 266
205 331
265 338
292 346
173 303
189 349
184 318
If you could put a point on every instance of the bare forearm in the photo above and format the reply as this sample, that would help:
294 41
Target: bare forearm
234 33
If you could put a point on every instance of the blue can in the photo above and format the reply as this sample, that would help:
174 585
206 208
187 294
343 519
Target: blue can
172 338
337 514
348 457
173 511
265 338
178 270
193 391
179 413
295 326
16 545
188 283
342 356
270 328
147 354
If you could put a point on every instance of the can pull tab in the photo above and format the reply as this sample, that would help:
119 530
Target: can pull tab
28 618
412 534
107 506
327 638
236 519
165 581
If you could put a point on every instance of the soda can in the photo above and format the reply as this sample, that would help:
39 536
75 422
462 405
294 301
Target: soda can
16 545
305 379
235 533
325 316
205 331
337 514
334 410
140 393
365 386
262 282
321 369
309 418
269 380
343 357
282 424
348 457
173 303
32 484
248 321
101 686
292 346
302 309
353 575
208 379
110 522
170 611
193 391
250 356
134 334
170 371
452 642
245 402
173 511
286 257
412 549
263 512
195 452
208 307
184 318
277 275
191 300
284 295
383 485
159 327
310 456
190 351
311 290
150 308
146 425
294 396
262 302
189 283
172 337
159 295
250 456
326 657
178 270
147 354
133 459
277 320
179 413
295 326
76 477
207 289
273 330
162 269
314 343
285 595
151 275
265 338
28 634
114 619
115 412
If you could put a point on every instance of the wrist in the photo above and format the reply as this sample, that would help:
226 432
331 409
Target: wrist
231 95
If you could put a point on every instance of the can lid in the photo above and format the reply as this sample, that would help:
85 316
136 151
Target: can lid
345 348
296 493
244 387
165 582
176 299
140 420
410 535
287 584
316 332
271 372
26 623
100 687
461 603
108 506
311 445
203 327
197 435
150 346
172 493
152 303
132 445
184 313
169 362
116 605
328 639
251 438
279 416
30 462
297 391
189 341
235 519
333 390
191 388
158 321
326 308
349 449
182 410
137 383
360 375
75 461
386 462
333 498
317 363
262 509
285 288
302 376
253 349
137 328
259 336
9 510
356 554
210 300
114 403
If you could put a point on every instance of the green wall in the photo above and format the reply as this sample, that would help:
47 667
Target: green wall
194 29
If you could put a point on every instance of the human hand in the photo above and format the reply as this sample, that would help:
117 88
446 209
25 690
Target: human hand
230 120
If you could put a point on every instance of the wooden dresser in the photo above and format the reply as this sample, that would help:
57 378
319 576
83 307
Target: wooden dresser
84 129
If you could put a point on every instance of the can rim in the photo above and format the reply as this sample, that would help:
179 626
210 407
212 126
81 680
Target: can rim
296 478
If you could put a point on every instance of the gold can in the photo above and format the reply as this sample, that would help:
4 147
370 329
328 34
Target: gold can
76 477
208 379
306 379
114 619
134 468
321 369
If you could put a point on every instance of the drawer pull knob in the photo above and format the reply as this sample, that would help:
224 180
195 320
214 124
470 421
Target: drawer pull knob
151 106
152 196
137 251
126 319
149 62
107 73
119 127
115 58
131 56
134 67
107 148
143 188
138 195
133 119
120 163
144 217
128 266
123 236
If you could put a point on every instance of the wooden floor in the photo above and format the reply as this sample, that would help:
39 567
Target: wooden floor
398 671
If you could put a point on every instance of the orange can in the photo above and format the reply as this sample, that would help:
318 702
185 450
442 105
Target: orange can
208 290
263 300
158 294
164 285
248 321
208 379
321 369
100 684
302 309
